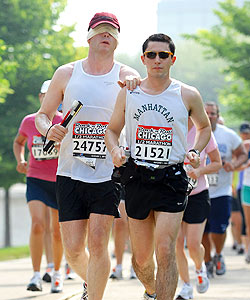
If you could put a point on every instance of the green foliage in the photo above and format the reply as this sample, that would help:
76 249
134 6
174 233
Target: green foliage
5 68
22 21
194 69
14 252
36 46
230 41
236 94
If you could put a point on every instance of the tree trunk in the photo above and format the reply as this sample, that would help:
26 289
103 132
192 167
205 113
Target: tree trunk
7 218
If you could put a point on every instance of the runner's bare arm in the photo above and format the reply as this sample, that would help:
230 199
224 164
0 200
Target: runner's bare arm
213 167
129 78
53 98
239 159
199 117
246 144
19 152
114 129
215 162
194 104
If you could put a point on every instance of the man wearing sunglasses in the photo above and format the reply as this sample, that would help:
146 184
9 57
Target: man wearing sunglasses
156 118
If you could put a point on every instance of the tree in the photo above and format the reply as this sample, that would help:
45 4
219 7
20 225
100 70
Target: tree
230 40
194 69
36 46
5 67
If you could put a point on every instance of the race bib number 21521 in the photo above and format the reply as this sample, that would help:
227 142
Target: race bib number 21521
153 144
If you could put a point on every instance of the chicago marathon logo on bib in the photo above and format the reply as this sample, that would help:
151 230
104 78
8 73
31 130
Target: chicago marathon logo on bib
153 144
88 139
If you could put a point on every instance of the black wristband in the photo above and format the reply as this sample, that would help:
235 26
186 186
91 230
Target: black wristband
44 142
195 151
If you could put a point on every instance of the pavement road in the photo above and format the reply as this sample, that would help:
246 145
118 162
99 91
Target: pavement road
234 285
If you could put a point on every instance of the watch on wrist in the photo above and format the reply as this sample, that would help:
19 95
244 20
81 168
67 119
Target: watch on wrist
195 151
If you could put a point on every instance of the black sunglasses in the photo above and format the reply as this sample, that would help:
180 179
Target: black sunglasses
153 54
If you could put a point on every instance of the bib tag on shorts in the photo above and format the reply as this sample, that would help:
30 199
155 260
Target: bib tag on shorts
194 182
88 161
37 149
153 144
88 141
213 179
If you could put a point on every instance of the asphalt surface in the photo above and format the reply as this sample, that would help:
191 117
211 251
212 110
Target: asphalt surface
15 275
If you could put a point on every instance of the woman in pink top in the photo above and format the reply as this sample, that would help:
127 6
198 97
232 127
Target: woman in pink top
195 217
41 193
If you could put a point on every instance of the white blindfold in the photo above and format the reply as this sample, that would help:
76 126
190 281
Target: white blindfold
103 28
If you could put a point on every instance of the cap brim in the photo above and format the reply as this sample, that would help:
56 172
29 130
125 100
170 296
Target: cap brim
104 22
245 131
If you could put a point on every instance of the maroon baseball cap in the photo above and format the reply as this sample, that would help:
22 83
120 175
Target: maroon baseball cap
104 17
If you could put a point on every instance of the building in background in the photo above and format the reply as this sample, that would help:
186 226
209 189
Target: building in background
176 17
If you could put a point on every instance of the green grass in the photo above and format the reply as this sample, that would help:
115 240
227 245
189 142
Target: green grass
14 252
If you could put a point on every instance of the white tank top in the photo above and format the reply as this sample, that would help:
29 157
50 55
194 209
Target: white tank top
157 125
83 155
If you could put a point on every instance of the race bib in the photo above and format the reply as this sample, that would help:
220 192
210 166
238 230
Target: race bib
37 149
213 179
153 144
88 140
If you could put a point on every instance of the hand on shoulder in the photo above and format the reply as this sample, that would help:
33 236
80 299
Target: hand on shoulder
129 78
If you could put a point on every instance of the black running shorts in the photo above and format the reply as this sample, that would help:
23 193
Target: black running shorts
77 199
141 198
198 208
120 191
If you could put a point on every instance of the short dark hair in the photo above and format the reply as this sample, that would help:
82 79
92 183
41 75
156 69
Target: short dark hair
159 37
212 103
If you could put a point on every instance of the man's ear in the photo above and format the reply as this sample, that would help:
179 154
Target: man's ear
173 59
143 59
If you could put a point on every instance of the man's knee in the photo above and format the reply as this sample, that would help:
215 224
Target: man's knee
120 224
97 244
72 248
56 235
193 246
37 227
165 250
142 259
193 242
